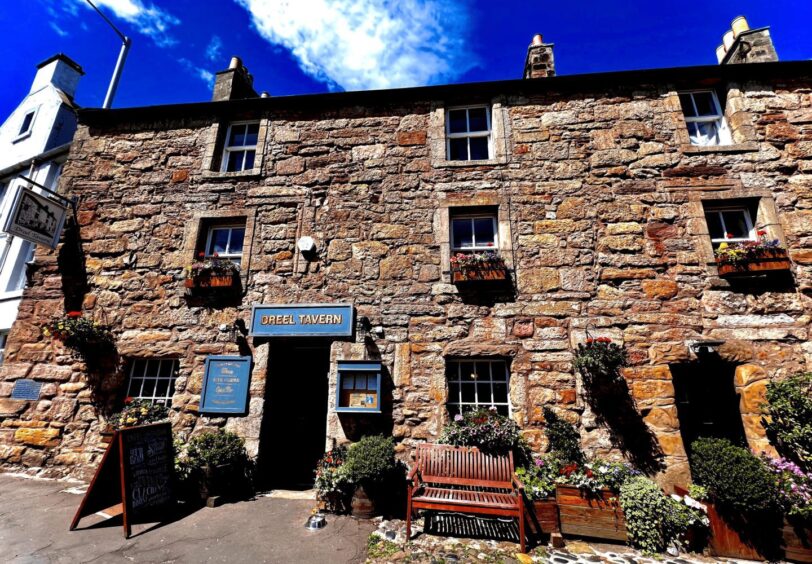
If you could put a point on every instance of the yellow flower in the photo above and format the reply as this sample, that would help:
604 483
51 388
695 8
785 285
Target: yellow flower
722 246
46 332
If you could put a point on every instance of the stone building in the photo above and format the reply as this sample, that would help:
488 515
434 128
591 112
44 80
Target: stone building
603 194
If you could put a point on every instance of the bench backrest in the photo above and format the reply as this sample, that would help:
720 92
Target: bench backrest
463 466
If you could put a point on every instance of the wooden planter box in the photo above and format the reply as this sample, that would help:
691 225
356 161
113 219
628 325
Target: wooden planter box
221 281
774 260
599 516
464 274
546 512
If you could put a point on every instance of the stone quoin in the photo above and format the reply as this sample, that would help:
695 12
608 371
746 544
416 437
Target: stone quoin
602 195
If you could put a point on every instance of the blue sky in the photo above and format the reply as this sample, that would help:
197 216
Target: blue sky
305 46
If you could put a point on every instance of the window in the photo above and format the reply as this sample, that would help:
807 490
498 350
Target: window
3 339
153 379
704 118
240 148
27 123
225 241
468 134
477 383
471 233
18 280
729 224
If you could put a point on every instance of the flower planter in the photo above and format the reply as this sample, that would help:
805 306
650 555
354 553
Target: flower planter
546 512
769 261
363 505
590 515
220 281
216 480
462 274
797 542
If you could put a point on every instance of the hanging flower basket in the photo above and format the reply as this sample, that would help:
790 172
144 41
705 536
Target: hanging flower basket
600 358
477 267
743 258
79 333
211 272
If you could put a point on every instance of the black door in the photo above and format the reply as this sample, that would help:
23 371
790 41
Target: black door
294 425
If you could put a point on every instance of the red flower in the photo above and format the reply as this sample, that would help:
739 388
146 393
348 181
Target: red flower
128 400
728 235
589 473
589 341
604 340
201 254
215 255
74 314
761 233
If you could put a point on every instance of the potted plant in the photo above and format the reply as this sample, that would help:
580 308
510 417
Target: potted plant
85 336
333 485
539 480
745 257
370 465
137 412
795 496
472 267
219 463
211 272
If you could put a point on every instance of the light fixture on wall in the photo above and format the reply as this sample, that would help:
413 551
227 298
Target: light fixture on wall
705 347
306 244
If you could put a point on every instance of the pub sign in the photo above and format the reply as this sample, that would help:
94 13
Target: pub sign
225 384
302 320
36 218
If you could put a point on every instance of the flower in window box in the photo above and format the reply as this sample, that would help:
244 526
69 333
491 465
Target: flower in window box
211 272
478 266
741 257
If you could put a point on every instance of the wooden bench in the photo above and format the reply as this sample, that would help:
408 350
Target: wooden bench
464 480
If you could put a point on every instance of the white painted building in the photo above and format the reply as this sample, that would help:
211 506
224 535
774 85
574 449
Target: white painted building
34 142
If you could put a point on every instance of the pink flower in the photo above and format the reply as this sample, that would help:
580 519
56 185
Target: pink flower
458 418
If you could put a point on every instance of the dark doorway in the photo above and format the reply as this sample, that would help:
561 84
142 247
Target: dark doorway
707 402
294 426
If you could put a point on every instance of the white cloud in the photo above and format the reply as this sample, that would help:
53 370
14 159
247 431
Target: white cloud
59 31
203 74
368 44
147 18
214 49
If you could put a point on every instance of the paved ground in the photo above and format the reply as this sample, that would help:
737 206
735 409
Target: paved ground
35 516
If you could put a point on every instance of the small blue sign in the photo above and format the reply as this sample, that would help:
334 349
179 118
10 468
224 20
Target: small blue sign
26 390
225 384
307 320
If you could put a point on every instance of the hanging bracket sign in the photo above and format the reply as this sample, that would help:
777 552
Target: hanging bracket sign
302 320
36 218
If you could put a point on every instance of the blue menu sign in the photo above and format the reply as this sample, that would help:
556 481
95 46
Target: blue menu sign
225 384
304 320
26 390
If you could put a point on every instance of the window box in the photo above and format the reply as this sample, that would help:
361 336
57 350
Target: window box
478 267
598 516
765 261
359 387
210 281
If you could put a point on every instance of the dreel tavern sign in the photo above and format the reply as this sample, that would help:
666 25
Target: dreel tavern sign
302 320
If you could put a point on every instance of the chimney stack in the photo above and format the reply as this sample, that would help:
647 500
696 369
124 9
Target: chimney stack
740 44
234 83
539 62
60 71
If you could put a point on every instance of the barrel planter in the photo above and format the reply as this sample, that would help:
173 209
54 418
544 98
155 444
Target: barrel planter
363 505
546 512
590 515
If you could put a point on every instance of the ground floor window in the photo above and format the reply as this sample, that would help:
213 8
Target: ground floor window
474 383
3 339
153 379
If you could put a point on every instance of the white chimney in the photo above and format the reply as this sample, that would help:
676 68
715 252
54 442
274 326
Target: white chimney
60 71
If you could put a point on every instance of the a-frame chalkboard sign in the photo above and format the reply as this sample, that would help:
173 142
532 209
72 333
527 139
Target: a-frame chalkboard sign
134 477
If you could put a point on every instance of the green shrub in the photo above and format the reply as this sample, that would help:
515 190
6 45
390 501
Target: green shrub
654 520
371 460
789 418
564 439
489 432
216 448
734 477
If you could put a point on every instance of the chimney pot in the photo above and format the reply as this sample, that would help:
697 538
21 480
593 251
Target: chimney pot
720 53
537 39
738 25
727 39
236 63
265 94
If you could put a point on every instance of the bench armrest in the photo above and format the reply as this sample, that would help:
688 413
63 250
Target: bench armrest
517 483
414 475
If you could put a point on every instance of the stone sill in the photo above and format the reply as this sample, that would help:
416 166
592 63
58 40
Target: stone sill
736 148
463 164
239 175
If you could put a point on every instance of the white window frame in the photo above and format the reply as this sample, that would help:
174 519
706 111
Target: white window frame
468 134
27 133
463 377
228 149
751 227
475 247
3 340
236 258
722 128
147 374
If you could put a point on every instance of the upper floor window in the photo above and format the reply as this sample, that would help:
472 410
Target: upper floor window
153 379
468 134
477 383
225 242
27 124
240 148
730 224
470 233
704 118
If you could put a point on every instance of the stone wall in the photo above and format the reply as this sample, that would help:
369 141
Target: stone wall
601 216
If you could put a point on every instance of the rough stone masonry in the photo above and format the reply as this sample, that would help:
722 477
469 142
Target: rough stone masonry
600 200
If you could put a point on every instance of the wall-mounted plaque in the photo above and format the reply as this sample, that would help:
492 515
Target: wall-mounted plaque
359 386
36 218
302 320
26 390
225 384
